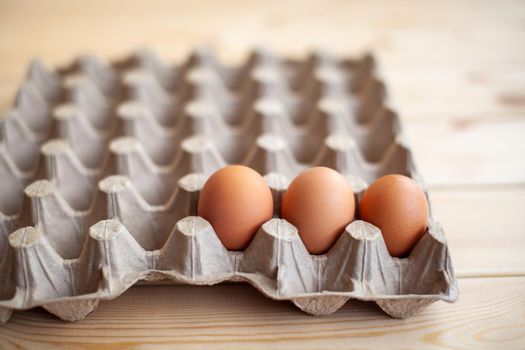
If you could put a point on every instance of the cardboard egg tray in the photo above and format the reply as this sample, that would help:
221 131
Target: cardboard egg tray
101 165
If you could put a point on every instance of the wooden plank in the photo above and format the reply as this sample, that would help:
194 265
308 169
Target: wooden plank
457 94
400 30
466 31
490 313
484 228
469 68
469 153
454 70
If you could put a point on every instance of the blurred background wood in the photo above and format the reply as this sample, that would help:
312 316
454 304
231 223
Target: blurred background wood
456 72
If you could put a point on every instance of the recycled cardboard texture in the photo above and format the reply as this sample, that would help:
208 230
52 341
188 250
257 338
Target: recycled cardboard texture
102 165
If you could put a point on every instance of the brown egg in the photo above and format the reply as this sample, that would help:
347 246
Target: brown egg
236 201
398 206
320 203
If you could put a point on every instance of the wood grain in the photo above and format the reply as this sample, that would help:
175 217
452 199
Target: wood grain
456 74
489 313
471 153
485 227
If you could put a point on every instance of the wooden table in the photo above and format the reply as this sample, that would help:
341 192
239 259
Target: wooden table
456 70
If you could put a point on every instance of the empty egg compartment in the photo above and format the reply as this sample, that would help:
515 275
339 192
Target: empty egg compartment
90 145
265 112
59 254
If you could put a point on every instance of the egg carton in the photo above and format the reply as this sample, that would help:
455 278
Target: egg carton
102 165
